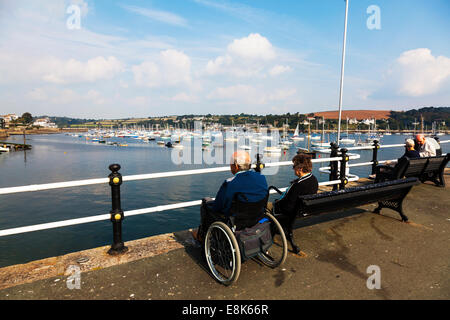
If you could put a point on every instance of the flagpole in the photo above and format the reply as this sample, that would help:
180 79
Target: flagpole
342 73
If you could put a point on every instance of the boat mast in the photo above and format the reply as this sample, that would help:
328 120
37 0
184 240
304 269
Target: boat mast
323 129
342 72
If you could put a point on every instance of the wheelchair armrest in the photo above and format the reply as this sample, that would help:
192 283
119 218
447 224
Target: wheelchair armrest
276 189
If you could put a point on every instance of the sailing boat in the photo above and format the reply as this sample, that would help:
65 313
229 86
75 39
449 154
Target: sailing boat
296 136
322 143
285 143
317 129
440 133
388 131
347 140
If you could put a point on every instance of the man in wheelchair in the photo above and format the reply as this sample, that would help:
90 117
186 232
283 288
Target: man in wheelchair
247 185
236 227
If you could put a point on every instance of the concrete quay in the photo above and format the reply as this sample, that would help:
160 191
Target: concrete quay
337 250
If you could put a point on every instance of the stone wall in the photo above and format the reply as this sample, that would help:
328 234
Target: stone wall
3 133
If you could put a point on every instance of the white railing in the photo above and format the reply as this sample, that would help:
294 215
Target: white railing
102 217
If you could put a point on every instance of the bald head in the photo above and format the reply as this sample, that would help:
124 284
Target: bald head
240 160
420 138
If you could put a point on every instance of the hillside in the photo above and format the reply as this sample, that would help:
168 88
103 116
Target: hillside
358 114
438 116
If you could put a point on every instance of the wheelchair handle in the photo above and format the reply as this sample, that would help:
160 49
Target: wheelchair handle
276 189
237 194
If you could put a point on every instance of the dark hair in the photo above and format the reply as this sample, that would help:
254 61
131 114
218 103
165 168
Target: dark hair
303 162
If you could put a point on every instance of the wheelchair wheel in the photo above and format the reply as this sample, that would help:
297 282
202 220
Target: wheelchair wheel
277 253
222 253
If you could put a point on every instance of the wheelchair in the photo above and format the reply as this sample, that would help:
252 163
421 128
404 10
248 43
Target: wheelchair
223 249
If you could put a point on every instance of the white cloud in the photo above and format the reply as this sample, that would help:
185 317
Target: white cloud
279 69
66 96
95 97
139 101
241 11
251 95
184 97
58 71
245 57
227 65
252 47
57 96
219 64
281 94
417 72
158 15
232 92
83 5
37 94
170 68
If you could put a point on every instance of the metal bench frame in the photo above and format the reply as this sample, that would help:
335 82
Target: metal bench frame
389 194
426 169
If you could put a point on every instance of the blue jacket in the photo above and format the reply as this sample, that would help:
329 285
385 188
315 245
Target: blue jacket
251 183
412 154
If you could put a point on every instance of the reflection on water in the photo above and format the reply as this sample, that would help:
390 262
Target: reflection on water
56 158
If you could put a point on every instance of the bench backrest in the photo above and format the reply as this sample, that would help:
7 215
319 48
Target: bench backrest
355 197
416 167
420 166
435 163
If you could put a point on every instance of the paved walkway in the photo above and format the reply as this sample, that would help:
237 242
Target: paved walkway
414 260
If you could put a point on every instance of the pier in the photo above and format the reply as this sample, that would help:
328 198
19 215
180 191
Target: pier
15 146
337 251
413 258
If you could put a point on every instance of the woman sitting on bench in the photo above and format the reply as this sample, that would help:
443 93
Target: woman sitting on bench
306 183
384 172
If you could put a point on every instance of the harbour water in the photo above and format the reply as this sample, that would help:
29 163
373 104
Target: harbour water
57 158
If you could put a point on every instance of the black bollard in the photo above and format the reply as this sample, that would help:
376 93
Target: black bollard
115 180
343 168
334 164
375 156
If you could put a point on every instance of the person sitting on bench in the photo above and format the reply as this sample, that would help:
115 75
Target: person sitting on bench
426 146
410 150
305 184
251 184
390 166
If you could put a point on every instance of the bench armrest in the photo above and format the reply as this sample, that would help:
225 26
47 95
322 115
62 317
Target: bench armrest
382 168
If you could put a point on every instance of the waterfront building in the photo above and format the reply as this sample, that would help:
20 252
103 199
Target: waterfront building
7 118
44 123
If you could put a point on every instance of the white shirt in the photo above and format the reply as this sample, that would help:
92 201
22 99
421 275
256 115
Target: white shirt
428 149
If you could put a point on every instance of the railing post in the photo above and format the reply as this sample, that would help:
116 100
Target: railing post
115 180
343 169
259 164
375 156
334 164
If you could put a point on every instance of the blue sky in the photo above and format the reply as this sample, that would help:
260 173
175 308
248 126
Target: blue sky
151 58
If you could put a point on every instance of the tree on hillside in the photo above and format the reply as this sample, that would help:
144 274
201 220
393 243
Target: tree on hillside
26 118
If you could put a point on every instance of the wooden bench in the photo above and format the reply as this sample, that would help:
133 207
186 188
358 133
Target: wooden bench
425 169
389 194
